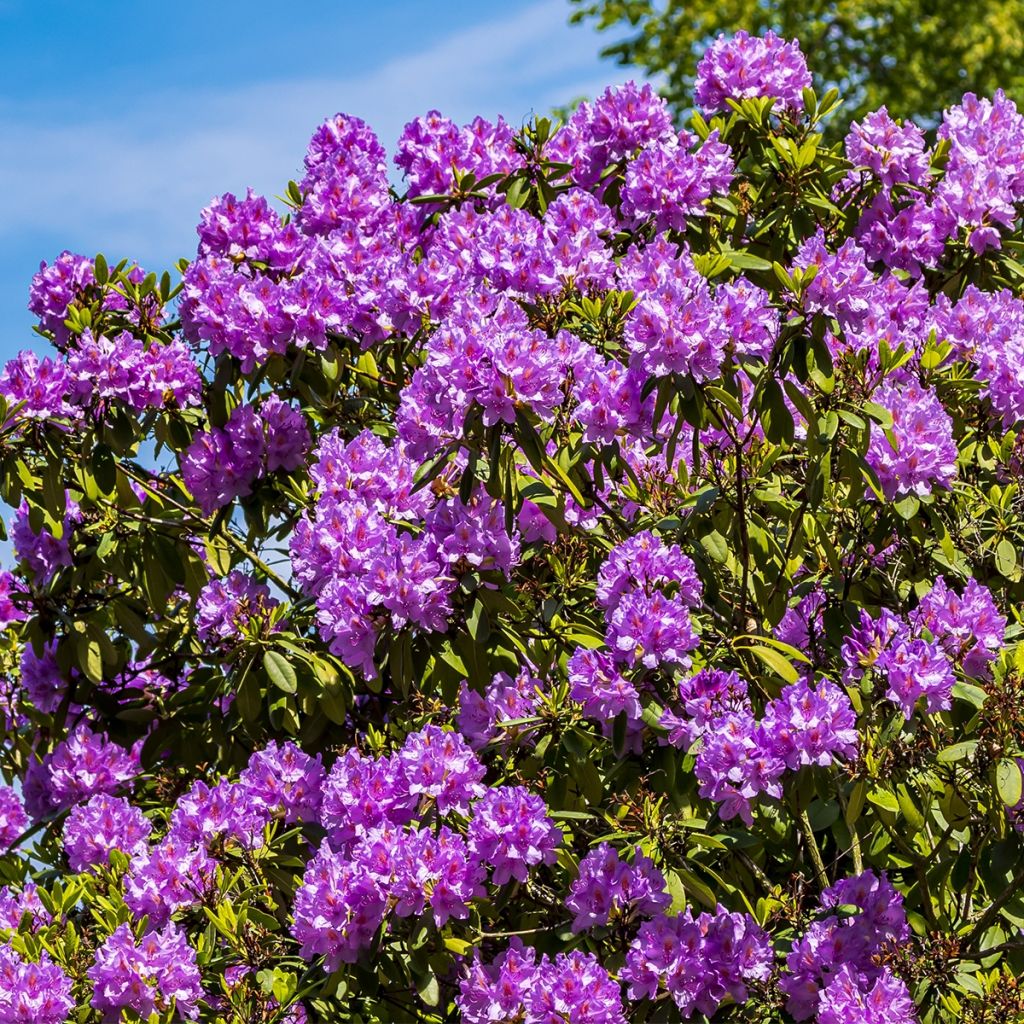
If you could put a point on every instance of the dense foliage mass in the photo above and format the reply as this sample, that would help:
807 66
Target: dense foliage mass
913 56
581 588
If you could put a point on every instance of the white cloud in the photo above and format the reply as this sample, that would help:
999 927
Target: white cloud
133 184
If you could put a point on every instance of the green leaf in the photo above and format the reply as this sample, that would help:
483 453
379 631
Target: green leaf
279 671
957 752
884 799
1009 781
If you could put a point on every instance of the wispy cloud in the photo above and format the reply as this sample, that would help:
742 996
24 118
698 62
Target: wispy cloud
133 183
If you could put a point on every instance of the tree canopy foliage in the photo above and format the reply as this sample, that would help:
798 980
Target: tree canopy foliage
915 57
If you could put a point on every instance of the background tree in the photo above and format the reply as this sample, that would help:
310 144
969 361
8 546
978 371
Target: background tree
914 56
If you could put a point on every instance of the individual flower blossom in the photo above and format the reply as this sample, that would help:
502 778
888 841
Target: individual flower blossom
645 561
55 287
677 326
223 812
123 369
742 66
228 608
101 824
832 943
915 668
337 910
432 149
510 830
921 453
283 781
606 884
850 998
148 976
599 686
10 613
895 153
44 684
811 726
473 537
417 868
287 435
440 765
752 322
699 961
706 696
33 992
361 793
13 819
652 629
166 878
222 464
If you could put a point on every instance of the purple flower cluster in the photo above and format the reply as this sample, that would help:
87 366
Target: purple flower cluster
32 992
739 758
608 885
101 824
84 764
511 830
604 692
516 986
742 66
920 454
916 655
365 569
43 552
13 819
833 966
647 589
224 463
698 961
483 717
229 608
149 976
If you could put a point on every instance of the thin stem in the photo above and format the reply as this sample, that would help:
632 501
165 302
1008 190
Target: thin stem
812 849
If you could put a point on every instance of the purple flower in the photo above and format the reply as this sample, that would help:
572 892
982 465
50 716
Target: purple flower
167 878
968 626
573 987
922 452
482 716
337 910
13 819
699 961
606 884
511 830
669 183
41 387
742 66
441 766
102 824
284 781
229 608
850 998
82 765
808 726
148 976
33 993
736 763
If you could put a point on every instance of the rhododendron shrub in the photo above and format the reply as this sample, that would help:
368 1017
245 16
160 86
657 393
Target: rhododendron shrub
578 583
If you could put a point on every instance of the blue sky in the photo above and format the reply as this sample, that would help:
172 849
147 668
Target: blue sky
119 121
